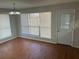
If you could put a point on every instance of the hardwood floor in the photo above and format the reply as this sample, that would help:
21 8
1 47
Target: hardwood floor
21 48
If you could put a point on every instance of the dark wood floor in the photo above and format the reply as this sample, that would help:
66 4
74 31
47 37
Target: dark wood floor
20 48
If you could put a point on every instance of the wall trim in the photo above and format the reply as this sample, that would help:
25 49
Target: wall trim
38 39
5 40
75 46
30 38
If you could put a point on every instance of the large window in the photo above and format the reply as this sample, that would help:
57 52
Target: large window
45 24
38 24
5 30
33 21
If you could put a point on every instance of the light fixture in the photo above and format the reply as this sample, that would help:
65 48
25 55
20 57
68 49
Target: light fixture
14 11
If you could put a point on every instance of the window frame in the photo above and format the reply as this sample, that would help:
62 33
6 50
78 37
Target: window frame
39 36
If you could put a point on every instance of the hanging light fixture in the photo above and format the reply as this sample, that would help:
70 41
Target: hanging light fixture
14 11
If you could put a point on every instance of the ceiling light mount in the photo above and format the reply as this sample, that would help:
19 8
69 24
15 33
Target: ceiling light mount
14 11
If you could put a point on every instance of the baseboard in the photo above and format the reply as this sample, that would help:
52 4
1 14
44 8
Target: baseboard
32 38
76 46
44 40
38 39
7 39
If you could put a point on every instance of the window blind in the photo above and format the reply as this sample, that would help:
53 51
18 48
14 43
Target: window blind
38 24
5 29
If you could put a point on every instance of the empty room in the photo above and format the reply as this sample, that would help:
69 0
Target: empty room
39 29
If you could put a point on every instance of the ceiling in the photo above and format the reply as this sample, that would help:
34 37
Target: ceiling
7 4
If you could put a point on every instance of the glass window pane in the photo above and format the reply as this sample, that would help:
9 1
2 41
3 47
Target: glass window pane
5 33
34 30
33 19
65 21
24 30
24 24
24 20
45 24
45 19
5 30
45 32
4 21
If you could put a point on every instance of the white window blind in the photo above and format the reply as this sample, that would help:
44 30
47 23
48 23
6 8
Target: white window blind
5 30
36 24
24 24
45 24
33 20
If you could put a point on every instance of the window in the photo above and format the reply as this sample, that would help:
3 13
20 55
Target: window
45 24
65 21
38 24
5 30
33 21
24 24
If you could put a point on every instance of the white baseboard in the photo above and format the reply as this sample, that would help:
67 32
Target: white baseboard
5 40
32 38
76 46
43 40
39 39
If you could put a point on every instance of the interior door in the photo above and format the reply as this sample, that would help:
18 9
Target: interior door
65 27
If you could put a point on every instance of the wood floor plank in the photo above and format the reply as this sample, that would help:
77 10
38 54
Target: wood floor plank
20 48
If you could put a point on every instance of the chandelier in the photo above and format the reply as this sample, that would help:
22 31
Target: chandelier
14 11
